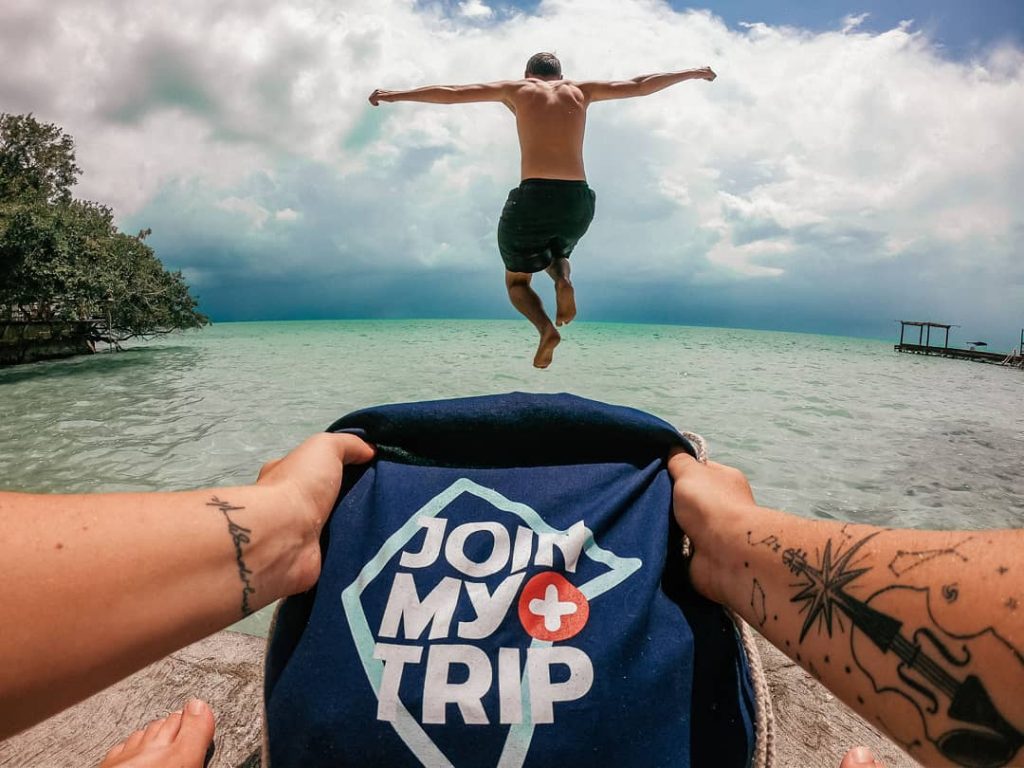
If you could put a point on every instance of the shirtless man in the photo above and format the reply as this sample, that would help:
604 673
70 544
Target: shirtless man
547 214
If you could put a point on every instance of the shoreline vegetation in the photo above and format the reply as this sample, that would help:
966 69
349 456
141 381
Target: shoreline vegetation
69 278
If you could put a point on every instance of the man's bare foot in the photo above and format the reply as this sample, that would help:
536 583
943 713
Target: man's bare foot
546 349
565 298
180 740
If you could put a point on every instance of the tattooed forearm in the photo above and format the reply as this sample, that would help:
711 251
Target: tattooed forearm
239 536
963 686
904 561
772 542
757 604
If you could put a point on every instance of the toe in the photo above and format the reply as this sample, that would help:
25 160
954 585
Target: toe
133 741
169 730
115 750
196 731
152 730
860 757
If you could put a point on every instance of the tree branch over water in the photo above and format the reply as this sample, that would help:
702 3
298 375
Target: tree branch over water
64 260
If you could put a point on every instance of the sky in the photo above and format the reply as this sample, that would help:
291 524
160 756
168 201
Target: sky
855 163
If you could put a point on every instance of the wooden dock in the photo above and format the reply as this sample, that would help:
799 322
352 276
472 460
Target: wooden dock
977 355
812 727
925 347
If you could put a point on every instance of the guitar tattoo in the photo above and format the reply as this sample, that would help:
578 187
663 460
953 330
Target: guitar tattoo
928 666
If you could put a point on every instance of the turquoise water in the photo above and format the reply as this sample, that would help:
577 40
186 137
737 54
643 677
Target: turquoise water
824 426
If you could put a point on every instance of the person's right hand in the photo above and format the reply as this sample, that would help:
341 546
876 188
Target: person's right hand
702 492
375 96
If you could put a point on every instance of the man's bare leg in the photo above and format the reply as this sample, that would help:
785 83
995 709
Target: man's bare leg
565 296
526 300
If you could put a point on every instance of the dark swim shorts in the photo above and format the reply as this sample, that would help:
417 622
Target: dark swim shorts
543 219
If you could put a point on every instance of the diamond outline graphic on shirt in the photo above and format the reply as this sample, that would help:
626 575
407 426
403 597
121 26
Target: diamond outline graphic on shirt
517 743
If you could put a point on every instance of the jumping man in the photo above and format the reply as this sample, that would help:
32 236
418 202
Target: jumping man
551 209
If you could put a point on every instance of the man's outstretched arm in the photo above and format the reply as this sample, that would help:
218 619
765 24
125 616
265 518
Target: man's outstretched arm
448 94
644 85
920 632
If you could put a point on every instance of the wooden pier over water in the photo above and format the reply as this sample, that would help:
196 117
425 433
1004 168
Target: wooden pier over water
924 346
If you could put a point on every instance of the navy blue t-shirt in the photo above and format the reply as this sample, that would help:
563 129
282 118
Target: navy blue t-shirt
502 587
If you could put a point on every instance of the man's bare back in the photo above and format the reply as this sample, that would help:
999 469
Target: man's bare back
551 209
551 117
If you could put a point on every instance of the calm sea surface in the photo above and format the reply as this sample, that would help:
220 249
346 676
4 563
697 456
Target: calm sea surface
823 426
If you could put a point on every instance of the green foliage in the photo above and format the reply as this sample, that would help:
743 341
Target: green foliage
37 160
63 259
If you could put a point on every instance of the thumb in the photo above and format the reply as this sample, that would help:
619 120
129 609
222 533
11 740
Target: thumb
267 468
355 450
679 462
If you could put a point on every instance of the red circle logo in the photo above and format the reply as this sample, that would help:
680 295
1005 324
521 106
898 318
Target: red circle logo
550 608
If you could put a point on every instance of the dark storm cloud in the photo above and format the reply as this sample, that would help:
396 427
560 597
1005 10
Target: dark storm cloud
831 180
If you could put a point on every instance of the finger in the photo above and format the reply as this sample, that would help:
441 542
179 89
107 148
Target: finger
348 448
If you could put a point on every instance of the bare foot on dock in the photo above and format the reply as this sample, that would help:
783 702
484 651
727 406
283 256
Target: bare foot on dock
546 348
860 757
565 298
181 740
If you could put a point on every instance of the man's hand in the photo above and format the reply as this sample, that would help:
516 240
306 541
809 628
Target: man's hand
706 73
375 97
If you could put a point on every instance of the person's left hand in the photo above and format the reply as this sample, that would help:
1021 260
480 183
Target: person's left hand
311 473
305 484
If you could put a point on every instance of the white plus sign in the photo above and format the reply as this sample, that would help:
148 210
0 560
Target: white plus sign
551 608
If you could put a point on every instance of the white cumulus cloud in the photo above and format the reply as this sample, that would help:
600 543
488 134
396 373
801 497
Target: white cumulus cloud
475 9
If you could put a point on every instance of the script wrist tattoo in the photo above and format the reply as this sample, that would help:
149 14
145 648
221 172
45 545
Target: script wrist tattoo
239 536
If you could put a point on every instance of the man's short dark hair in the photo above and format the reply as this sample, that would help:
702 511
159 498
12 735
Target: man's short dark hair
544 65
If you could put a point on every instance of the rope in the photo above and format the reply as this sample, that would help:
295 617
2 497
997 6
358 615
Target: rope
700 445
764 726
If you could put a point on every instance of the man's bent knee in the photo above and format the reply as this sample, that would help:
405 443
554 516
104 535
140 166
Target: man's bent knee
516 279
